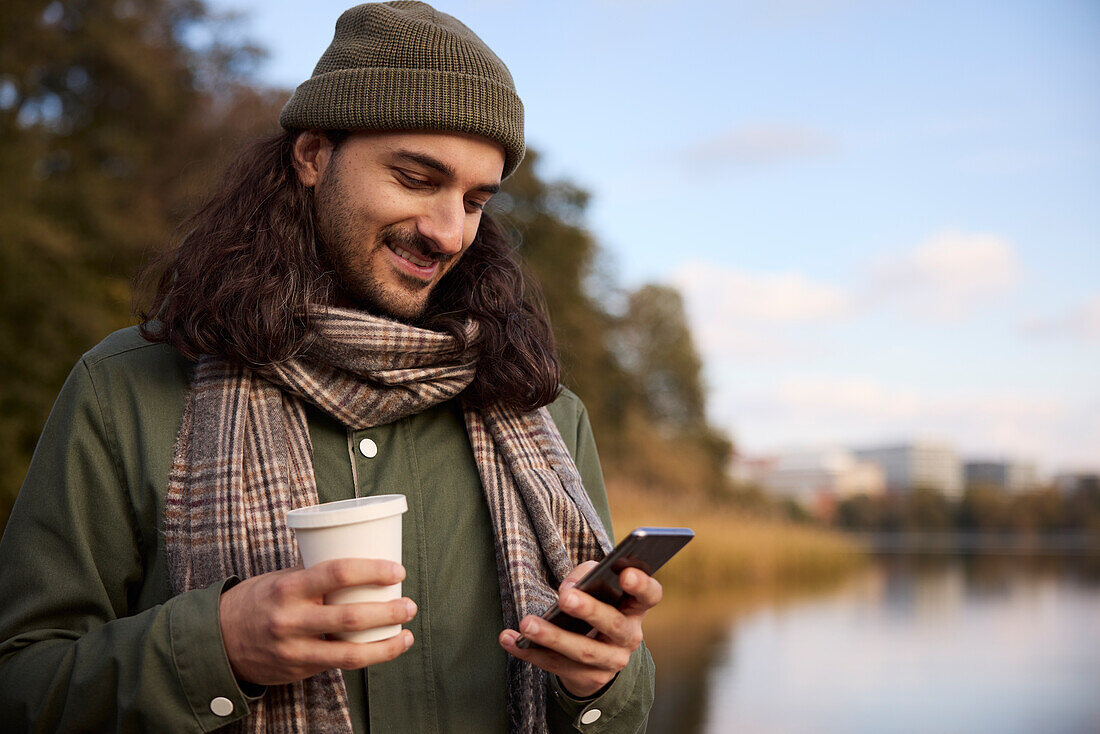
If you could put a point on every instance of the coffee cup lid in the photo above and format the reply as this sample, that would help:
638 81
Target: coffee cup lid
345 512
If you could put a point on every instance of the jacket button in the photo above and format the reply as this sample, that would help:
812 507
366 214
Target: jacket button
368 448
221 706
588 717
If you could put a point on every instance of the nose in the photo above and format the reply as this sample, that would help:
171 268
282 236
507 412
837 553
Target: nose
443 224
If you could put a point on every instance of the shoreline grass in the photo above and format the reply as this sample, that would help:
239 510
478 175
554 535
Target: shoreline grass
734 551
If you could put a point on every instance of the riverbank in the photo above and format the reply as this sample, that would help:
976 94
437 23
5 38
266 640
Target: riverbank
953 543
733 551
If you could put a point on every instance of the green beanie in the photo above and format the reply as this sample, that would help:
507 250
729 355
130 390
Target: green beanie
406 66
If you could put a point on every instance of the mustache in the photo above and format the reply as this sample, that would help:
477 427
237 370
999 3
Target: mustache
414 242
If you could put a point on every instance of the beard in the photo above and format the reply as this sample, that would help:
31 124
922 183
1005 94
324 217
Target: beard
355 268
359 284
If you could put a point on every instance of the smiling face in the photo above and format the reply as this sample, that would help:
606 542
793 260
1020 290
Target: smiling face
396 210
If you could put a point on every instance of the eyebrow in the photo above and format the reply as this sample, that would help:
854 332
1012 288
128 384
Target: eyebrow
439 166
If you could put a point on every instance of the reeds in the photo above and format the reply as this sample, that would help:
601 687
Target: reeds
733 551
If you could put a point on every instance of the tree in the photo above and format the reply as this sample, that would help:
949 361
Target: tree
545 218
638 373
655 344
107 117
984 509
859 512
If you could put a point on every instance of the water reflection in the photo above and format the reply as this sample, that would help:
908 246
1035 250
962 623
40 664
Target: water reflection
914 644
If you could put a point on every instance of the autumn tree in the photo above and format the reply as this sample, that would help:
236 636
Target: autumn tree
111 111
655 344
546 221
638 371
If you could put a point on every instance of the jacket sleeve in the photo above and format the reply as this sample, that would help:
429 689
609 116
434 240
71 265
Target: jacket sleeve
76 652
623 708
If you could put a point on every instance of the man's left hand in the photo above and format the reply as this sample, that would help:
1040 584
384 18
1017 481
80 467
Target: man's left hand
584 665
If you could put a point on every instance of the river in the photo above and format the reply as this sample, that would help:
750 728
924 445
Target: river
923 644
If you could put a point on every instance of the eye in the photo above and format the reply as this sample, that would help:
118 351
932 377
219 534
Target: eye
413 182
475 206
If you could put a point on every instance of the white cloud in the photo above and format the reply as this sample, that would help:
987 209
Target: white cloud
947 275
1080 322
841 399
761 144
738 312
768 338
857 411
741 296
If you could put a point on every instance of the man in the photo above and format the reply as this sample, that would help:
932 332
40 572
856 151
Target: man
341 318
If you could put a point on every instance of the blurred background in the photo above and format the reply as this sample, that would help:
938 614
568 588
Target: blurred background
823 271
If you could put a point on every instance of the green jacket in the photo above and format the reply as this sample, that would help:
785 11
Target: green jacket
91 640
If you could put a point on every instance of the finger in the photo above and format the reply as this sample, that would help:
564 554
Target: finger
326 654
619 629
354 617
340 573
585 650
581 680
644 590
549 660
576 575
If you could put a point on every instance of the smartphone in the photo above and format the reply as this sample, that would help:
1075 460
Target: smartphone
645 548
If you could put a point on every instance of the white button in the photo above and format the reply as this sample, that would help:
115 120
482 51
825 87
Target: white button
222 706
368 448
589 716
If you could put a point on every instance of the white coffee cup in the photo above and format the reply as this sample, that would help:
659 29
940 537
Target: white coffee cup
364 527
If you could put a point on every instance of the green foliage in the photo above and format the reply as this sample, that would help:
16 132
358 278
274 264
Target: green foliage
655 344
545 220
109 125
860 512
1082 509
638 372
927 509
981 509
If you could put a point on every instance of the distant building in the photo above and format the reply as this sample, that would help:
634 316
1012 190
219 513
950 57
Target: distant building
814 478
921 464
1010 476
1070 484
752 471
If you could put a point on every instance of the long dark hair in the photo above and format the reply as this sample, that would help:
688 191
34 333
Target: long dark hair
237 282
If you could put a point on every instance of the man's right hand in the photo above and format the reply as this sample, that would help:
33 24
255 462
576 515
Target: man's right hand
272 623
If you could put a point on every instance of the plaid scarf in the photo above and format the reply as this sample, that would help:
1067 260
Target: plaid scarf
243 458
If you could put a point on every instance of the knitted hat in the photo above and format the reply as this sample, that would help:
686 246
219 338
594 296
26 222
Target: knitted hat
406 66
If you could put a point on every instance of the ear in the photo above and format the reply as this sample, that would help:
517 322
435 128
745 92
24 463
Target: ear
312 154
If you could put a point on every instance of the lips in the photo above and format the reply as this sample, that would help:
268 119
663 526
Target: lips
419 261
415 265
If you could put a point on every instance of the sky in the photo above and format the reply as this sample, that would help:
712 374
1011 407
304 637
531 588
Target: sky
884 215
